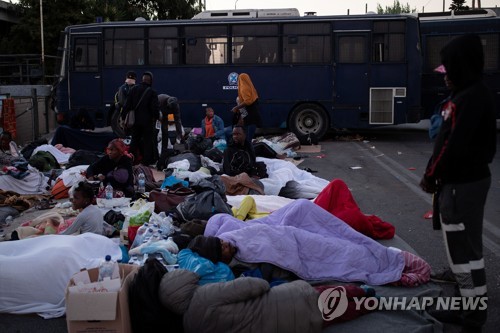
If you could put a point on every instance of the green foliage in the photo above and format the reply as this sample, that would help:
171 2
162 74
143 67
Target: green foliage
458 5
396 8
25 37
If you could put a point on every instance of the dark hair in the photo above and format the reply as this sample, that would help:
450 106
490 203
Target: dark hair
85 189
239 126
131 75
148 73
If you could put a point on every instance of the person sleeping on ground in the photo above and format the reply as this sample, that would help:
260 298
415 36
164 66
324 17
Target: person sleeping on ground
249 304
313 244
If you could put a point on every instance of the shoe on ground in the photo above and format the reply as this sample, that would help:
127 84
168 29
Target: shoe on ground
447 316
445 276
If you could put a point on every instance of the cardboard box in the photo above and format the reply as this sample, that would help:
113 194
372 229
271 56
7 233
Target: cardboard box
104 312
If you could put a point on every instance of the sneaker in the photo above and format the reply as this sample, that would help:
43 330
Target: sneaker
445 276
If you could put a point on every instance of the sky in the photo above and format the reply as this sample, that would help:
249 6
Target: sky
337 7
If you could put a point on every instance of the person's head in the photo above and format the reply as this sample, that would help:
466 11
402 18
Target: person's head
83 195
212 248
227 251
245 78
147 78
5 140
239 135
131 77
116 149
463 59
209 112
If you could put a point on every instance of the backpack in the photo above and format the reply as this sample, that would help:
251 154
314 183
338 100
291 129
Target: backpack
44 161
202 206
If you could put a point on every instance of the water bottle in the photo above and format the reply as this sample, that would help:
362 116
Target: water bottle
109 192
106 268
141 183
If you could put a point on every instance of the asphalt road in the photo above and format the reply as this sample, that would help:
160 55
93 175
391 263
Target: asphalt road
382 168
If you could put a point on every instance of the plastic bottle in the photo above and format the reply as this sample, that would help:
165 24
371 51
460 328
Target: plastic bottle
141 183
106 268
109 192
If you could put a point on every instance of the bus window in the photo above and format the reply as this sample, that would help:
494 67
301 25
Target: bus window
491 57
352 49
255 44
124 46
85 55
163 46
306 43
434 44
206 45
388 41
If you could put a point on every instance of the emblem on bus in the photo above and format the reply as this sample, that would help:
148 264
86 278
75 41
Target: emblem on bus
232 79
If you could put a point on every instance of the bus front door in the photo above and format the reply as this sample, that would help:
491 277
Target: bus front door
85 84
351 79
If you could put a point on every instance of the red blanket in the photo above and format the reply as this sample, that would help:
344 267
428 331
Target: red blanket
337 199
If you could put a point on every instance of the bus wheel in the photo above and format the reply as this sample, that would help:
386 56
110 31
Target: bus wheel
115 124
308 118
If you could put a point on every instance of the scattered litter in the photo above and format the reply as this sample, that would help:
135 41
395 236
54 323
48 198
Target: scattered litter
428 215
320 156
399 153
366 141
379 155
355 167
412 168
372 147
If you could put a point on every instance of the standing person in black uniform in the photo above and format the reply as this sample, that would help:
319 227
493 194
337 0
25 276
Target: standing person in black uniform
144 100
459 171
170 109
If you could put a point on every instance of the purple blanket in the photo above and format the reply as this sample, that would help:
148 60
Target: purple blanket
310 242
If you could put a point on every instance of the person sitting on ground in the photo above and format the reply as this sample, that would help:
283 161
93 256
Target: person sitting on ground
212 126
115 168
90 218
82 121
239 155
9 151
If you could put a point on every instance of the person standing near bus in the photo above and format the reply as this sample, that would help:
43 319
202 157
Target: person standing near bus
144 100
123 91
459 170
248 99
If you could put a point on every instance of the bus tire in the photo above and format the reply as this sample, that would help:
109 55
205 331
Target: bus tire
115 125
308 118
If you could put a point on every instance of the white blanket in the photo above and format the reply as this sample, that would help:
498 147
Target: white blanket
34 272
61 157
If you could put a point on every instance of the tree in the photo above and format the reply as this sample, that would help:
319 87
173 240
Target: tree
458 5
397 8
25 37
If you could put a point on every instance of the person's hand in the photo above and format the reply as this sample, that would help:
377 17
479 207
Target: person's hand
234 110
428 185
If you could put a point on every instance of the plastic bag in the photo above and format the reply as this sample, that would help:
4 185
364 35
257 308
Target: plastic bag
206 269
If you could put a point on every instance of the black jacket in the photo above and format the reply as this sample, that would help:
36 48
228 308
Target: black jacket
466 143
148 110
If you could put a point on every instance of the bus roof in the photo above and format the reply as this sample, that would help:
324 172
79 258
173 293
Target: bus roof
253 13
456 15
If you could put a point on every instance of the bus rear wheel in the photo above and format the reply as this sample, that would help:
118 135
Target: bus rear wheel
308 118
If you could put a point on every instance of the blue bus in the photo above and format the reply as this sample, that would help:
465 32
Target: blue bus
437 29
312 72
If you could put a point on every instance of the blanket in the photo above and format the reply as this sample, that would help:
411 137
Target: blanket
34 272
310 242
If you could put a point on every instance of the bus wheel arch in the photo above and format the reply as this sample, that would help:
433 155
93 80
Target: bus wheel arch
308 118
